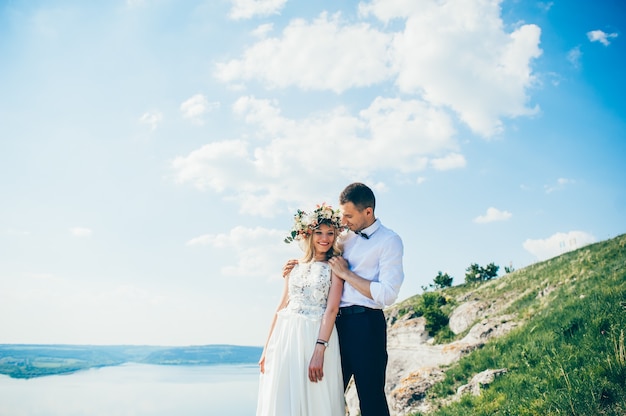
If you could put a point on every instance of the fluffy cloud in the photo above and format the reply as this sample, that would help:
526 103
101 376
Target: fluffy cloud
451 161
246 9
449 60
600 36
492 215
558 243
218 166
256 250
237 237
151 118
456 53
266 169
453 53
195 107
325 54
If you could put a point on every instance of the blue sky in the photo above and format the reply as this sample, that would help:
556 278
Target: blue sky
153 152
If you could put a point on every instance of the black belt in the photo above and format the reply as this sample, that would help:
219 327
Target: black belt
354 309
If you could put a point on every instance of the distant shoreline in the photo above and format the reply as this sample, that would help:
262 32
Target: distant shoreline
39 360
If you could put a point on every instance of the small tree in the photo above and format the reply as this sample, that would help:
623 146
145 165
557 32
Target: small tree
490 271
475 273
442 280
436 319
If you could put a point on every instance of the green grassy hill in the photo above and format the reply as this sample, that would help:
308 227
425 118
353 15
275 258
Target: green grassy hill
567 357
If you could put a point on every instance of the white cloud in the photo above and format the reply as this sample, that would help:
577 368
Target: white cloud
574 56
600 36
561 183
493 215
545 6
81 231
324 54
217 165
414 124
387 10
452 53
263 30
558 243
246 9
256 250
152 119
265 169
237 237
195 107
201 240
456 53
449 162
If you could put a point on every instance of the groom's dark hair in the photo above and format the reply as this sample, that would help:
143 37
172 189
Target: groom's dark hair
360 195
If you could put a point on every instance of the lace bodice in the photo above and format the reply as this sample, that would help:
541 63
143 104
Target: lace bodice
309 284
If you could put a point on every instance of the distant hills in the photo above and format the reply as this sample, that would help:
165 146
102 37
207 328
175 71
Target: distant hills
28 361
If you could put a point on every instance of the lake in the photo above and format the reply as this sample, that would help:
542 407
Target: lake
135 390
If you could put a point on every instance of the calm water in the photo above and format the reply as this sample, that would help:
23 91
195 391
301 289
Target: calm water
135 390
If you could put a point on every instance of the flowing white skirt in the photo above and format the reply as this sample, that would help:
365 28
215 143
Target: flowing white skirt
285 388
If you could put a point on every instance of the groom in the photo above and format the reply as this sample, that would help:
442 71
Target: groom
371 268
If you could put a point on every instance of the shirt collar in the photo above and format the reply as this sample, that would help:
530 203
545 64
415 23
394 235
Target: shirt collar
372 228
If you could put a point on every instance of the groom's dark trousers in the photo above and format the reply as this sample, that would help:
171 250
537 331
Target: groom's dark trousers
363 343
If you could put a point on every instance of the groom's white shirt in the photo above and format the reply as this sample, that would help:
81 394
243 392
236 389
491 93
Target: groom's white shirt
378 259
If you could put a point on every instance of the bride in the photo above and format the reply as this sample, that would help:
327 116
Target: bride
300 364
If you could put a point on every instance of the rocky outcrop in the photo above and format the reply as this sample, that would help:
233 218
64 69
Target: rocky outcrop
415 362
482 379
465 315
411 392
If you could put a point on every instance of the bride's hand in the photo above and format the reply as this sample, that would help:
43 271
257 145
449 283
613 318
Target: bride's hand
262 363
288 267
316 366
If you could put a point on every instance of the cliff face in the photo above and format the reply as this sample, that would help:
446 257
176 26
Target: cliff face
415 362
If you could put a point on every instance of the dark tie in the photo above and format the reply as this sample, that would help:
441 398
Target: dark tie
362 234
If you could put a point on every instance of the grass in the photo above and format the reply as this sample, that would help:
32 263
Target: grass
569 356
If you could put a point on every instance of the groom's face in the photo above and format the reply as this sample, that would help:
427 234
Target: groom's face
354 219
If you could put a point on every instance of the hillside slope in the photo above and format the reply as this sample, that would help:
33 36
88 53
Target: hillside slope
544 340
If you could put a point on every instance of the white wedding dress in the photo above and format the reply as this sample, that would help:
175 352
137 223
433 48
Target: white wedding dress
285 388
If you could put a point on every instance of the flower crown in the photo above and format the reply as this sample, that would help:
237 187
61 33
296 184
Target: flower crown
305 222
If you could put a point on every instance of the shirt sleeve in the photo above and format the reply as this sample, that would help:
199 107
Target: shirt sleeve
391 273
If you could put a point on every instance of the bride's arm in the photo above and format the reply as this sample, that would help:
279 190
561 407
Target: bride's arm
316 366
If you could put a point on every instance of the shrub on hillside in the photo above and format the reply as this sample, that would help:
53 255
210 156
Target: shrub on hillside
442 280
475 273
